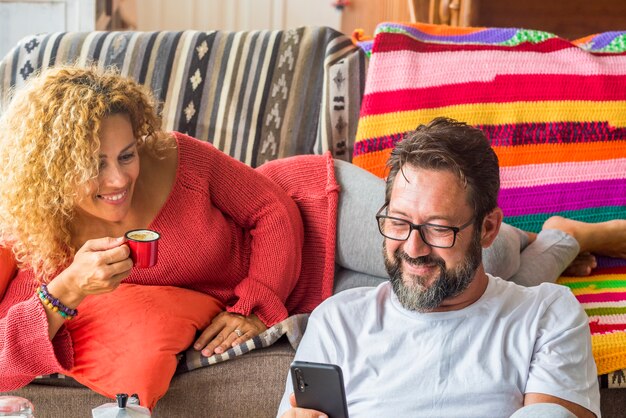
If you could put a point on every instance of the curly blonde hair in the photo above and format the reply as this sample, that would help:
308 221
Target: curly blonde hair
49 146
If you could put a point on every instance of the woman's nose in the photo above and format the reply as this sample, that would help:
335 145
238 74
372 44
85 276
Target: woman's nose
114 176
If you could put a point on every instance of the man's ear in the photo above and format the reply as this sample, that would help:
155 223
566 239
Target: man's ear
491 227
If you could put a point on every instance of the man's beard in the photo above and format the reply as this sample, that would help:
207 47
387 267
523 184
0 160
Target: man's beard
415 295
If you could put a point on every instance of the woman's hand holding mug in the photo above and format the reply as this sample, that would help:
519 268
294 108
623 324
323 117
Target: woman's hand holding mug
99 266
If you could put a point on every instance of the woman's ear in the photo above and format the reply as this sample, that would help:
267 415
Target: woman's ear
491 227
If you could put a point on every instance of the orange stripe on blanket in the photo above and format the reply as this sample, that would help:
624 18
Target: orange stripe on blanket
496 114
374 162
584 40
556 153
609 351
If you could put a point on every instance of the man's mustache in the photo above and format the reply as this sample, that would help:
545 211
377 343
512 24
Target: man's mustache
419 261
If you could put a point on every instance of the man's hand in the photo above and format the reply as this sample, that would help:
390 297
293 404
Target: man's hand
296 412
228 330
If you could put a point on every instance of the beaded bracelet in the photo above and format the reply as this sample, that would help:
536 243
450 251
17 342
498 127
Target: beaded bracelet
54 304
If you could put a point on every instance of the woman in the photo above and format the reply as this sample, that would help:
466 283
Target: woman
83 160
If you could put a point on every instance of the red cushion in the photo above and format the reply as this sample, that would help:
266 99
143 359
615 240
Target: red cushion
8 267
126 341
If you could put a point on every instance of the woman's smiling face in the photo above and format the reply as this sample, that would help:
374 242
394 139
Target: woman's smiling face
109 196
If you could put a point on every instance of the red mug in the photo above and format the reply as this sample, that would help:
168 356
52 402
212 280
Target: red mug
144 247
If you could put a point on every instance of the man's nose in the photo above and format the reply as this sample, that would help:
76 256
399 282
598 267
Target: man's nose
415 246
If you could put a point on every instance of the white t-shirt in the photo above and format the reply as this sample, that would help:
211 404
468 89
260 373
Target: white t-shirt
475 362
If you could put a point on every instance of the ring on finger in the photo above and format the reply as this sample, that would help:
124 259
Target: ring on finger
238 332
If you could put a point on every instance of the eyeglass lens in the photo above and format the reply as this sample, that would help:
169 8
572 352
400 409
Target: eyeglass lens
434 235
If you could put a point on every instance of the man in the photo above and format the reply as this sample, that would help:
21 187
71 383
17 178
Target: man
443 338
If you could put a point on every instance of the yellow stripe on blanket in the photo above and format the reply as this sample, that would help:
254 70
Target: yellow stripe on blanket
591 290
609 351
496 114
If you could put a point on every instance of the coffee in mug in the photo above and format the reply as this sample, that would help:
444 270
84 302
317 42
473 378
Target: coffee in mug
144 246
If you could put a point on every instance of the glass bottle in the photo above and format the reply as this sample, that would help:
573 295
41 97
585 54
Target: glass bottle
16 407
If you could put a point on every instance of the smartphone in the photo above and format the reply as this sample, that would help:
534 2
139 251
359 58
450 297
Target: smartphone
319 386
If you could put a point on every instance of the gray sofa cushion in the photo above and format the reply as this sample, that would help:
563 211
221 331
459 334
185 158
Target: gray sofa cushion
247 386
347 279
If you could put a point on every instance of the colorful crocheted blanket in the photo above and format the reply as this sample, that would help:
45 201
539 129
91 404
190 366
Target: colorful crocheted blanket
555 113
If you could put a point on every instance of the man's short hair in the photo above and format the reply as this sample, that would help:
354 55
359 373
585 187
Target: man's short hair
447 144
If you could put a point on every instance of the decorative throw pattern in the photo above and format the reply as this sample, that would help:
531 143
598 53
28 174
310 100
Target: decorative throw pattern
256 95
292 327
555 113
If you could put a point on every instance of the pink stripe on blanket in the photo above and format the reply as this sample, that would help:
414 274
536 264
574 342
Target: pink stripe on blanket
403 70
533 175
562 197
503 89
601 297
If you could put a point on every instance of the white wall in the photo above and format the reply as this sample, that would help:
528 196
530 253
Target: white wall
235 14
20 18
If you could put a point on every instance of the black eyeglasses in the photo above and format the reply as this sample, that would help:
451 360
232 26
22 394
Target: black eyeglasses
434 235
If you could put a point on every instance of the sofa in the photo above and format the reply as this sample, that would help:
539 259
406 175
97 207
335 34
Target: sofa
258 96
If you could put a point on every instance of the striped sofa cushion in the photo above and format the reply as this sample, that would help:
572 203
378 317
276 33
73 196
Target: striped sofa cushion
555 113
257 95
